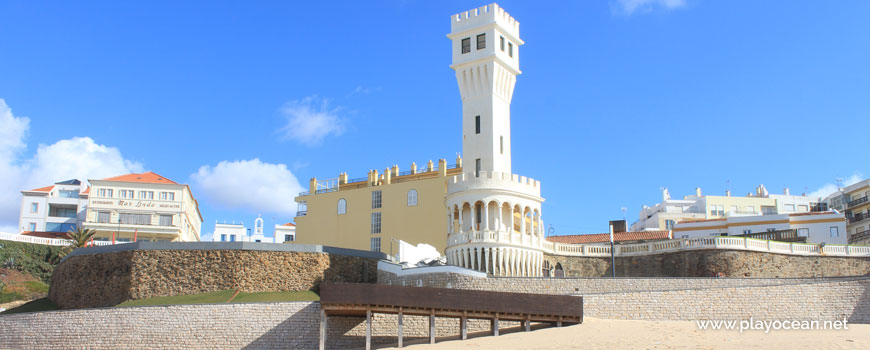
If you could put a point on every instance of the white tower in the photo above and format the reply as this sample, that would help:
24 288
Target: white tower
486 45
493 216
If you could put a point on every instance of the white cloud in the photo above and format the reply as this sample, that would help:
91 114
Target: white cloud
249 184
310 120
629 7
831 188
76 158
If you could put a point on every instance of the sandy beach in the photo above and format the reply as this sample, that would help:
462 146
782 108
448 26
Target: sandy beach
620 334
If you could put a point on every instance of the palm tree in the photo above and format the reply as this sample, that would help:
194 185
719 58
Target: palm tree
78 238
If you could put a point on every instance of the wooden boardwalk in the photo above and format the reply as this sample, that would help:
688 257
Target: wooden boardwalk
365 299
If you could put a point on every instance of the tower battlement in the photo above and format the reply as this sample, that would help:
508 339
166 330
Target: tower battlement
483 15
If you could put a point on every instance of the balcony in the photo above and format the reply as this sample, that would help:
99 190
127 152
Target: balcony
857 202
301 213
859 236
780 236
859 217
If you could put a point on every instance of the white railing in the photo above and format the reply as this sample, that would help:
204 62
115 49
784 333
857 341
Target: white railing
603 250
46 241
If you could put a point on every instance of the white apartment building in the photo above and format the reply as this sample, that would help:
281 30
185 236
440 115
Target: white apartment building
664 215
817 227
56 208
146 206
285 232
854 201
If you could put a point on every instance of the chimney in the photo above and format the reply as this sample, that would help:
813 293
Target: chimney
698 191
665 194
387 176
786 192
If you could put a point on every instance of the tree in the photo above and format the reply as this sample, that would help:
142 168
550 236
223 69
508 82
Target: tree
78 238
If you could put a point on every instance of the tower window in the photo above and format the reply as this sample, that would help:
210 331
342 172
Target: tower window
481 41
477 124
511 49
477 167
501 144
466 45
501 43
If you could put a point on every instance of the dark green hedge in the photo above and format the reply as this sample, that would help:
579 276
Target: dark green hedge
34 259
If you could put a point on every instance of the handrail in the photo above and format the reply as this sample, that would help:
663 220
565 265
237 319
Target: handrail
857 201
664 246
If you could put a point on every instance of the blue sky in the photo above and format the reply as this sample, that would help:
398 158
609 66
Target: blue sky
246 101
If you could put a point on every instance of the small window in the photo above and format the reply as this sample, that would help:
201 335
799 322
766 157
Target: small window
501 144
32 226
771 229
105 192
103 217
481 41
835 231
477 124
477 167
803 232
342 206
167 196
232 238
34 207
288 238
803 208
412 198
789 207
466 45
501 43
375 244
376 223
746 232
146 194
376 199
223 237
511 49
669 224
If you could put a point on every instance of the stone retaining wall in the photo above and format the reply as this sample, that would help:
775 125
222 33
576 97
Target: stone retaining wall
679 298
109 278
708 263
293 325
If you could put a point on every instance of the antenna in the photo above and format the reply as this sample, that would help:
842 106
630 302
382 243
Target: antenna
551 230
623 212
839 183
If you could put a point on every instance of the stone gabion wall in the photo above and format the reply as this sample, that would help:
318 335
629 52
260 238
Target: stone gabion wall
681 298
707 263
107 279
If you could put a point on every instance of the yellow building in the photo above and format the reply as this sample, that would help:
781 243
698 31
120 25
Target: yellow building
368 213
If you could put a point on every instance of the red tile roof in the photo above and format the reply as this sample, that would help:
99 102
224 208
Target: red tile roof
605 237
42 189
88 190
147 177
289 224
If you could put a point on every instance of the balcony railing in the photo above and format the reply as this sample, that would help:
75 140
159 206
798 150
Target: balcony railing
780 235
858 201
859 217
302 194
859 236
301 213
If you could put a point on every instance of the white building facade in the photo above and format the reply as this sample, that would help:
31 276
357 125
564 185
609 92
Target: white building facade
665 214
820 227
239 233
494 216
57 208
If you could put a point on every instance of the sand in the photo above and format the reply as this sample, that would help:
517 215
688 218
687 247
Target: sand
620 334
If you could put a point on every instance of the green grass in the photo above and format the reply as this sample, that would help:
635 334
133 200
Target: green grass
223 296
22 291
204 298
267 297
34 306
